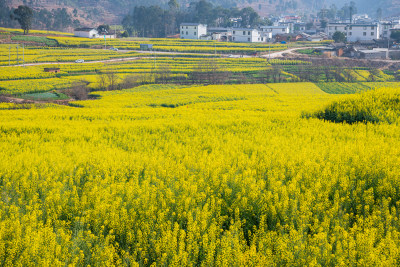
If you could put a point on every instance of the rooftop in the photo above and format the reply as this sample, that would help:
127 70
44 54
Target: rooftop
84 29
273 27
243 29
191 24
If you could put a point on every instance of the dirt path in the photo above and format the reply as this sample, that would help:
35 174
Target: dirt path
15 100
287 52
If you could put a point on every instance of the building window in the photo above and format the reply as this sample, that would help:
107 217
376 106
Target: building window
194 33
372 34
187 33
350 33
364 33
195 27
248 39
244 33
248 33
186 27
233 38
283 30
372 28
233 32
183 33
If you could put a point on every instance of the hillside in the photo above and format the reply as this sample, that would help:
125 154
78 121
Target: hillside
90 12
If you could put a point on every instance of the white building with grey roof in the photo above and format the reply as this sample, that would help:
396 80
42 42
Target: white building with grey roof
192 30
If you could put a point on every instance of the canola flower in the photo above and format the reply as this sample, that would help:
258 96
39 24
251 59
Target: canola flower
232 176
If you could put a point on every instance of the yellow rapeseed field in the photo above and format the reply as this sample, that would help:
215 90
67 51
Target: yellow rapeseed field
229 175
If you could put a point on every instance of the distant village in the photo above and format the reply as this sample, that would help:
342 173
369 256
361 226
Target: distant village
365 37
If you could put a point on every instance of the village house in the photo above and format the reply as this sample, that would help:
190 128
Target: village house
355 32
331 28
246 35
299 27
360 32
106 35
384 29
275 29
289 37
220 34
86 32
315 37
192 30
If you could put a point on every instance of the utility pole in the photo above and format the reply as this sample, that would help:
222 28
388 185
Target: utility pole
387 54
9 55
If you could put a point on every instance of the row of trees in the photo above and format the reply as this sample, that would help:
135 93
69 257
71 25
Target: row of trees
343 13
155 21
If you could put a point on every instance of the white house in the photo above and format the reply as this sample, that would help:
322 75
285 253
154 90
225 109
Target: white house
331 28
384 29
355 32
362 32
299 27
246 35
86 32
276 29
192 30
106 35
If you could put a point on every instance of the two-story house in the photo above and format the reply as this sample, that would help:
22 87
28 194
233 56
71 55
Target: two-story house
247 35
192 30
362 32
331 28
276 29
384 29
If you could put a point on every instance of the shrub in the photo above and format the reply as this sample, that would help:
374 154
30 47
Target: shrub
374 106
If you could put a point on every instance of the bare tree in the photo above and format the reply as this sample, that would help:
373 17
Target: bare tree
102 81
78 90
163 73
112 79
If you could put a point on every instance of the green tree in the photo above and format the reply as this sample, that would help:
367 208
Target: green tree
62 19
379 13
173 5
395 35
24 15
103 28
249 17
203 10
339 37
4 13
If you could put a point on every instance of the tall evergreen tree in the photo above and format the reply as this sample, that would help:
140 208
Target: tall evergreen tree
24 16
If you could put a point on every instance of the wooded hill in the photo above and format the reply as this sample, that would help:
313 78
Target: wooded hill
94 12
